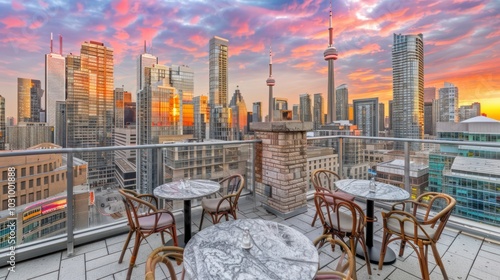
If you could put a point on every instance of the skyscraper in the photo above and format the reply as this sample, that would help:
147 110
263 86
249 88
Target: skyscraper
121 98
331 55
469 111
366 116
55 83
257 112
270 83
448 103
408 88
318 111
144 60
220 114
296 112
429 116
381 116
157 115
201 116
2 123
239 110
89 107
429 94
305 113
218 71
182 79
342 96
29 100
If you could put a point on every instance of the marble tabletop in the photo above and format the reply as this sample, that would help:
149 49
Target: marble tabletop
186 189
384 192
277 252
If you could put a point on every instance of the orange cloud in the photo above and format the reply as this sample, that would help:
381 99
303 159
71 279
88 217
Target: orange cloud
12 21
121 7
306 65
367 49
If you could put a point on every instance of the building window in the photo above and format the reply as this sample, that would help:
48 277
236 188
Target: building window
57 177
23 171
30 198
45 193
45 168
32 170
38 195
52 179
5 189
4 175
39 169
23 185
38 181
31 184
23 199
46 180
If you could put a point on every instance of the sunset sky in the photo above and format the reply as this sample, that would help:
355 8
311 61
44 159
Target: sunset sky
461 43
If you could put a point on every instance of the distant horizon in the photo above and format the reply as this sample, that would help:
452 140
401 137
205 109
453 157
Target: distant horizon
461 44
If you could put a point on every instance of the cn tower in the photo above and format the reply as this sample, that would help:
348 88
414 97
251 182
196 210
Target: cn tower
330 55
270 83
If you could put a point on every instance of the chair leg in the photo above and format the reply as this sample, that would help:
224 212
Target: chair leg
361 241
352 242
227 217
201 221
385 243
314 219
125 246
424 268
174 236
439 261
402 248
131 265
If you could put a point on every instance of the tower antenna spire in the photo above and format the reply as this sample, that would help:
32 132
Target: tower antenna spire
330 29
51 43
60 44
270 83
144 46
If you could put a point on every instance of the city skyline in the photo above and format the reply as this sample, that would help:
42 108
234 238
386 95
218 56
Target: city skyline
460 43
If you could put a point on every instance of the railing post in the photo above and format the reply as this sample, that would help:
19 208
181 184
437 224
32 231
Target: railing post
341 157
69 204
407 169
252 158
159 168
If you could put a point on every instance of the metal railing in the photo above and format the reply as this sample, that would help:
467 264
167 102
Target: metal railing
70 238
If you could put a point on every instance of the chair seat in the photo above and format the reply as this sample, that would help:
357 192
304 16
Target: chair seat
148 222
409 227
342 195
345 222
210 204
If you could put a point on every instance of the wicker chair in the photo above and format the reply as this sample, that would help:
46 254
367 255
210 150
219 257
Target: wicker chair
419 228
323 180
227 203
343 219
164 255
345 265
145 219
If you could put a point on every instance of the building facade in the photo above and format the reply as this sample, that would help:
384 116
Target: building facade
408 88
342 95
318 111
218 88
29 100
466 112
26 135
3 132
257 112
448 103
305 105
366 116
201 117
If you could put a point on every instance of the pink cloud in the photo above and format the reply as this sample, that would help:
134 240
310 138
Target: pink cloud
367 49
148 33
121 35
124 21
306 65
79 7
12 21
195 20
198 40
121 7
17 5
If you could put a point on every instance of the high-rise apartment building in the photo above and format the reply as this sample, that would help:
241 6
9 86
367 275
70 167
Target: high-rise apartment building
429 110
121 98
448 102
55 84
381 116
408 88
239 110
2 123
89 108
342 95
220 114
201 116
469 111
10 121
391 113
25 135
305 112
61 124
144 60
366 116
296 112
181 77
29 100
257 112
330 55
318 111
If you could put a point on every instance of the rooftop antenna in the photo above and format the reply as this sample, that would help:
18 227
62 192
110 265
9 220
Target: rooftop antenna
51 44
144 46
60 44
330 29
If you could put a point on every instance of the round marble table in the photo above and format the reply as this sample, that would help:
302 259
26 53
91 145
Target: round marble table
277 252
186 190
384 192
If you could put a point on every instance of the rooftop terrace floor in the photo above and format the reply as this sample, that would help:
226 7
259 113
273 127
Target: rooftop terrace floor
464 256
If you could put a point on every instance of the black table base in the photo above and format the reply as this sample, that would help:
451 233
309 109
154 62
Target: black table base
180 240
374 253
